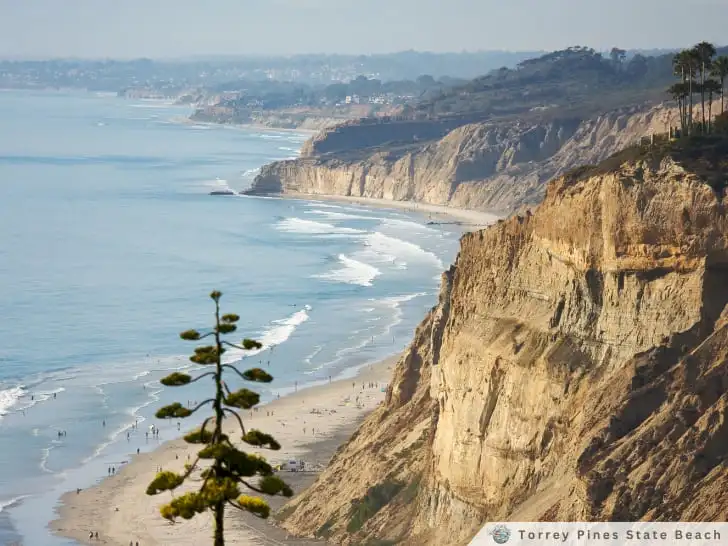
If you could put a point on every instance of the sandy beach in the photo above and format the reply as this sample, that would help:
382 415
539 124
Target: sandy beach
439 213
310 425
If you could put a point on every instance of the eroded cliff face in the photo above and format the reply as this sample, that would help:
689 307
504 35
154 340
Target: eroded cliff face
575 368
495 166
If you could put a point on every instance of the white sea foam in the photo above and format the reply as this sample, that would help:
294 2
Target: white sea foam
9 397
283 329
311 227
314 354
394 303
278 332
154 104
407 225
250 173
41 396
44 459
10 503
352 272
323 205
102 392
219 184
391 246
333 215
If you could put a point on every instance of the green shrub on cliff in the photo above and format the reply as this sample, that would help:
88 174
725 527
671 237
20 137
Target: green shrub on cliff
230 468
376 498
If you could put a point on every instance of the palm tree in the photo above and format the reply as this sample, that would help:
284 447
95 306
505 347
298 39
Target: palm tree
679 92
685 64
703 53
720 73
712 87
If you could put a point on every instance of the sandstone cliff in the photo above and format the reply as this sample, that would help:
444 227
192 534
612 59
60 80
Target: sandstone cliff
493 165
574 368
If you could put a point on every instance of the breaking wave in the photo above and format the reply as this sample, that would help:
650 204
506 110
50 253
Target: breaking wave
9 397
352 272
311 227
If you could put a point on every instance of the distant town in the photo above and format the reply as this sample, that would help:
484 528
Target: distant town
304 91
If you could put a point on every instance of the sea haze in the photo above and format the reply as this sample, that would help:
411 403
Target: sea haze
109 246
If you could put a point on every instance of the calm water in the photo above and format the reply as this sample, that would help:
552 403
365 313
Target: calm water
109 245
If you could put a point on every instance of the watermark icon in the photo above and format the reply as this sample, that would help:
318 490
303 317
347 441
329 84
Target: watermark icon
500 533
602 534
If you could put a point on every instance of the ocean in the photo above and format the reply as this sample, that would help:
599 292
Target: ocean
109 246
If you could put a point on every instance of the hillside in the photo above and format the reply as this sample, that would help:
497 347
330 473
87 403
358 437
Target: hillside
574 369
493 143
577 78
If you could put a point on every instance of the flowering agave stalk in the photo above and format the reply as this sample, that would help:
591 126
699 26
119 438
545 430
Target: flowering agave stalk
229 468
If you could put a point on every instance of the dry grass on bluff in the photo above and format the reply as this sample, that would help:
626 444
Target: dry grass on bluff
706 156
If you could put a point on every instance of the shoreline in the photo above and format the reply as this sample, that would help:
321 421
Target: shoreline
244 126
119 509
465 217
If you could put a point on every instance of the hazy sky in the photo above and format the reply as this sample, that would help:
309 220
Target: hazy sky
174 28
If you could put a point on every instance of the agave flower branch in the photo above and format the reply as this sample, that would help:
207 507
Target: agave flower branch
228 467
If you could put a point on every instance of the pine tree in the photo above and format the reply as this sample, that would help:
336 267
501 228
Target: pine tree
229 467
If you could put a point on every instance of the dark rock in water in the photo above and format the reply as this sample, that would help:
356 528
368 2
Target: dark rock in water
223 192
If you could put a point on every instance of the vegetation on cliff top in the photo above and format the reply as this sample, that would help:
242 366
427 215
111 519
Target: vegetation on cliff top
703 75
704 155
574 77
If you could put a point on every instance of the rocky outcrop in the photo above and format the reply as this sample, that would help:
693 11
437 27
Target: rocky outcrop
498 166
575 368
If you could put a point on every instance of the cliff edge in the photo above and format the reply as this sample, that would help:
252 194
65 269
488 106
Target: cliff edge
575 368
483 164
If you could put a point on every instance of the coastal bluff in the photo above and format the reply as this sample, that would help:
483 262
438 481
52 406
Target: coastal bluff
574 368
468 161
